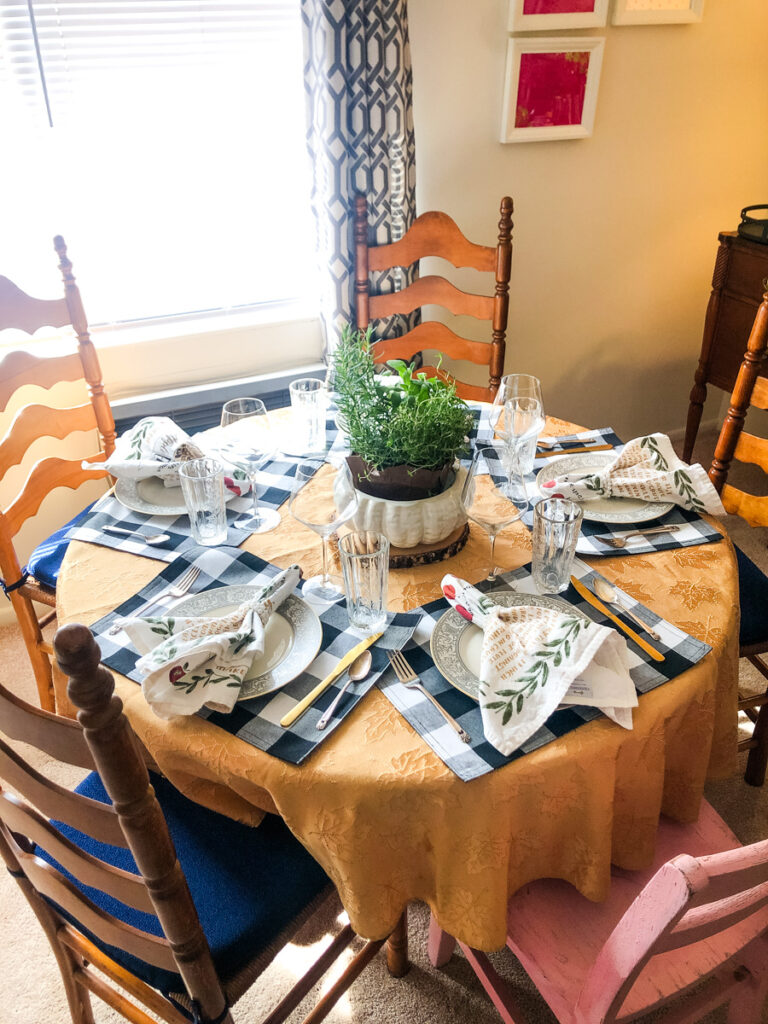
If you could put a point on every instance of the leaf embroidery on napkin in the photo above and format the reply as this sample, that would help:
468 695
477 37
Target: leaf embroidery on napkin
551 654
659 462
686 490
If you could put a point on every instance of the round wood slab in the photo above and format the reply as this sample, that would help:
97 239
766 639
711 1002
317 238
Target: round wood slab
426 554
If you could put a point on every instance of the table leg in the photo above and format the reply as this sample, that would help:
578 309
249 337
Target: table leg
398 963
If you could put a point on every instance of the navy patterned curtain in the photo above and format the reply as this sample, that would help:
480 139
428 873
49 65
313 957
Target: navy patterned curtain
358 83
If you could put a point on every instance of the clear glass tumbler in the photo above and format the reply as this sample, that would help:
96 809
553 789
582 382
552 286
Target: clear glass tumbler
365 566
556 526
309 399
202 484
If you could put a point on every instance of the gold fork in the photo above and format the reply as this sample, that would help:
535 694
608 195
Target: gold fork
179 589
408 678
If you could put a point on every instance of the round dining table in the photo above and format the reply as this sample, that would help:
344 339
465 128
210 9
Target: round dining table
389 822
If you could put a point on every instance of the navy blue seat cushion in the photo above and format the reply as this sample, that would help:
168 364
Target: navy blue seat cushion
753 595
45 560
247 883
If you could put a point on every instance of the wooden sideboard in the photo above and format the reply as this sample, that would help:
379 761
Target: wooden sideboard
741 267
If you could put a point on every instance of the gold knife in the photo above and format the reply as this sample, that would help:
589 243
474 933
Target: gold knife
588 596
321 687
575 451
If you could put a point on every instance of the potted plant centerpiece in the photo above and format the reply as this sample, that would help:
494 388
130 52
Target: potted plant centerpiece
405 433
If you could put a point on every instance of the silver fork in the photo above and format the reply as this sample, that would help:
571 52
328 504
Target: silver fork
620 540
408 678
178 589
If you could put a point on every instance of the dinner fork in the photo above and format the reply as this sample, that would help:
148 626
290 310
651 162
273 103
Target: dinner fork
178 589
620 539
409 679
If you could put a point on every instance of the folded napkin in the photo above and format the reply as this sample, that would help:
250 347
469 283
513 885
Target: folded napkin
535 658
203 661
156 446
647 468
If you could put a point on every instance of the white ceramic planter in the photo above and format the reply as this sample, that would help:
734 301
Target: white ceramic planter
408 523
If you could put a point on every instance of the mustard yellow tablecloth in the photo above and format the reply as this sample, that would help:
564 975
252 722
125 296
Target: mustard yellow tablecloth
385 817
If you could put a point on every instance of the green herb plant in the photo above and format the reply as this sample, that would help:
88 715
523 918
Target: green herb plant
417 420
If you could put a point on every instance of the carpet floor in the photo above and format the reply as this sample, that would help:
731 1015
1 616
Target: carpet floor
31 991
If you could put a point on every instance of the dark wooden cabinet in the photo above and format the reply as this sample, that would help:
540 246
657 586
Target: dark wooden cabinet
741 268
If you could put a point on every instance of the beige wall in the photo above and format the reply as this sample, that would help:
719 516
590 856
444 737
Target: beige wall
615 235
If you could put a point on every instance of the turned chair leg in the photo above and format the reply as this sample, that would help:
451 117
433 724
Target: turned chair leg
440 945
398 963
757 761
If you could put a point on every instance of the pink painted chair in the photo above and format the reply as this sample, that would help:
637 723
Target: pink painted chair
689 932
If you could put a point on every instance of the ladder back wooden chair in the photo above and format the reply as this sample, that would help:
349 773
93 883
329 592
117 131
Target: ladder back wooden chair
136 886
688 935
751 389
436 234
37 582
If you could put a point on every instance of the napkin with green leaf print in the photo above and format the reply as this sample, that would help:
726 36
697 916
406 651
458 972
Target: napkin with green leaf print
535 658
646 468
191 662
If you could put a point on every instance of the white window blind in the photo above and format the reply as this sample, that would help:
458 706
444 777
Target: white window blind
175 167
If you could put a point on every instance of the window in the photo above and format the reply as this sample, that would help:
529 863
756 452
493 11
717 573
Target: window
175 166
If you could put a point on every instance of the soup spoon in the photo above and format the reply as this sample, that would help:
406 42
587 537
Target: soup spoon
358 670
607 593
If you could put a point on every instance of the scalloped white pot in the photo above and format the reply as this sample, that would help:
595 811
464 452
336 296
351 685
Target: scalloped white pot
408 523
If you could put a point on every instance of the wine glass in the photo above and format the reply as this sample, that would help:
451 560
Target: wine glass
517 417
323 498
248 444
486 499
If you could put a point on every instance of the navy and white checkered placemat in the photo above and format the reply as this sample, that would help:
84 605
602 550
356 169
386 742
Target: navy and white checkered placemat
257 721
469 761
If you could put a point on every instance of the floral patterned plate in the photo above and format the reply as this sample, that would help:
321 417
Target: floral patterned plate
153 498
292 636
456 643
603 510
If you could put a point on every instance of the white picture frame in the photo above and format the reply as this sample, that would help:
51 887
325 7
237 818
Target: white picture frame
519 21
512 128
657 12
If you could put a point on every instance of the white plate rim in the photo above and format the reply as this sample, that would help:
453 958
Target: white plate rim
300 615
127 493
582 462
450 626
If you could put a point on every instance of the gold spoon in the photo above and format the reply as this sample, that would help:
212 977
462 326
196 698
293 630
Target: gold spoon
606 592
358 670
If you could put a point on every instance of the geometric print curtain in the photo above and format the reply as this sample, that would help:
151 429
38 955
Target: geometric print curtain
358 86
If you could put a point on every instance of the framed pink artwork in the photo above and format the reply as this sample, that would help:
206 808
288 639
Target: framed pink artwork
550 90
535 15
656 12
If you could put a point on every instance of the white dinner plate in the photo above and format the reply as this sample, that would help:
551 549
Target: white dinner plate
602 510
153 498
292 636
456 644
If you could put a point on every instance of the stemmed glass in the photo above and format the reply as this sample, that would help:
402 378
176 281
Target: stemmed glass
517 417
323 498
487 502
248 444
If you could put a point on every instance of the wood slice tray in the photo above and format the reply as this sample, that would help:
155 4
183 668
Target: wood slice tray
426 554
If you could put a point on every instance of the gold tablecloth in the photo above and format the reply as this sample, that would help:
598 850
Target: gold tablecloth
385 817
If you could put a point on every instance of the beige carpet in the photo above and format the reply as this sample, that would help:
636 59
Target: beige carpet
30 990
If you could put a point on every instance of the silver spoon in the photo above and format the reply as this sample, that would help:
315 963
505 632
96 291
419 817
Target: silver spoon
358 670
606 592
149 538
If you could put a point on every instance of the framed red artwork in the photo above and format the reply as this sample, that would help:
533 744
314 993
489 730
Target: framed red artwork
535 15
551 88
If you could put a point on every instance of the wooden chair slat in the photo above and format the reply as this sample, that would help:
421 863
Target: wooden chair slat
108 929
750 448
433 234
432 336
35 421
60 737
25 313
431 290
749 507
469 392
37 592
126 886
19 368
80 812
44 477
706 921
760 393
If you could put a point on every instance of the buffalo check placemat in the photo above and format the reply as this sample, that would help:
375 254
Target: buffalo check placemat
257 721
469 761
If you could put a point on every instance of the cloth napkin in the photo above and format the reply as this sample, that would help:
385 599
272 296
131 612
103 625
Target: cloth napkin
189 662
647 468
535 658
155 446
